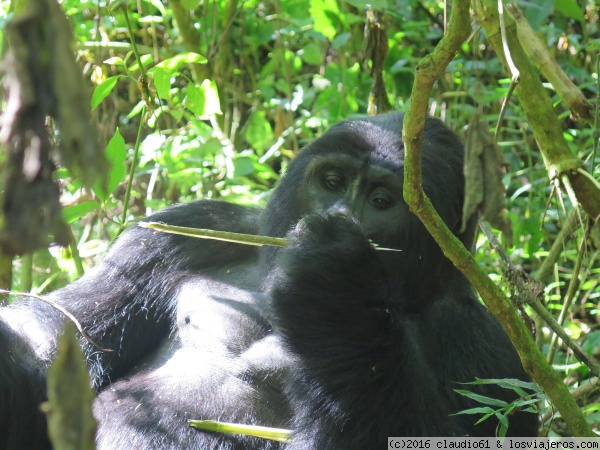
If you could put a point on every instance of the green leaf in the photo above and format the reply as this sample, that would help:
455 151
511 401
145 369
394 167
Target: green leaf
137 109
73 213
102 91
259 132
503 424
484 418
69 406
326 17
340 40
162 81
283 86
538 12
184 58
146 61
570 9
190 4
203 100
482 398
592 342
116 153
158 5
242 167
523 403
508 383
211 94
115 61
483 410
311 54
194 100
177 115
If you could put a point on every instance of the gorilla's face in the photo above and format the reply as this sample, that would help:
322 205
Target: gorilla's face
355 169
370 194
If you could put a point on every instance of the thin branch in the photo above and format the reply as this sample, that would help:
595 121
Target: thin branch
564 234
570 295
66 313
530 292
228 236
515 73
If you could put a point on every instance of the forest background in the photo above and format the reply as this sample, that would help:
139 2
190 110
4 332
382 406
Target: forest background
210 99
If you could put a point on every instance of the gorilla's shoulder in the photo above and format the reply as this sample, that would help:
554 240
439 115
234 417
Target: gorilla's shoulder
213 214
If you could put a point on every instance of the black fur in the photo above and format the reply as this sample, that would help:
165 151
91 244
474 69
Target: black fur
344 344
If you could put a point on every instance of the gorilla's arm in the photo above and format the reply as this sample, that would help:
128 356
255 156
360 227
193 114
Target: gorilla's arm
374 362
124 304
359 350
22 389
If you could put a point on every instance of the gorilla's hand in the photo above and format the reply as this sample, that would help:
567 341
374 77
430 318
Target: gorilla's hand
323 247
329 287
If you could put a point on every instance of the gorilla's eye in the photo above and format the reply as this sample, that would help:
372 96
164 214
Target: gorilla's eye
334 180
381 200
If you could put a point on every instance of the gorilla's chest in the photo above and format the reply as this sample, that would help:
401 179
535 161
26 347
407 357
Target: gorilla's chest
217 310
222 324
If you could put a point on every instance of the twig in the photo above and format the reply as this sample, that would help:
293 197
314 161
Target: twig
70 316
586 389
530 293
228 236
515 74
274 434
568 301
557 247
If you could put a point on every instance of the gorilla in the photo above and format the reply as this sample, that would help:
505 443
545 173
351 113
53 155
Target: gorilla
338 341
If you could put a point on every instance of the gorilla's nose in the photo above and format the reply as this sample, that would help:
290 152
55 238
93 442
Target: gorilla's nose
340 208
